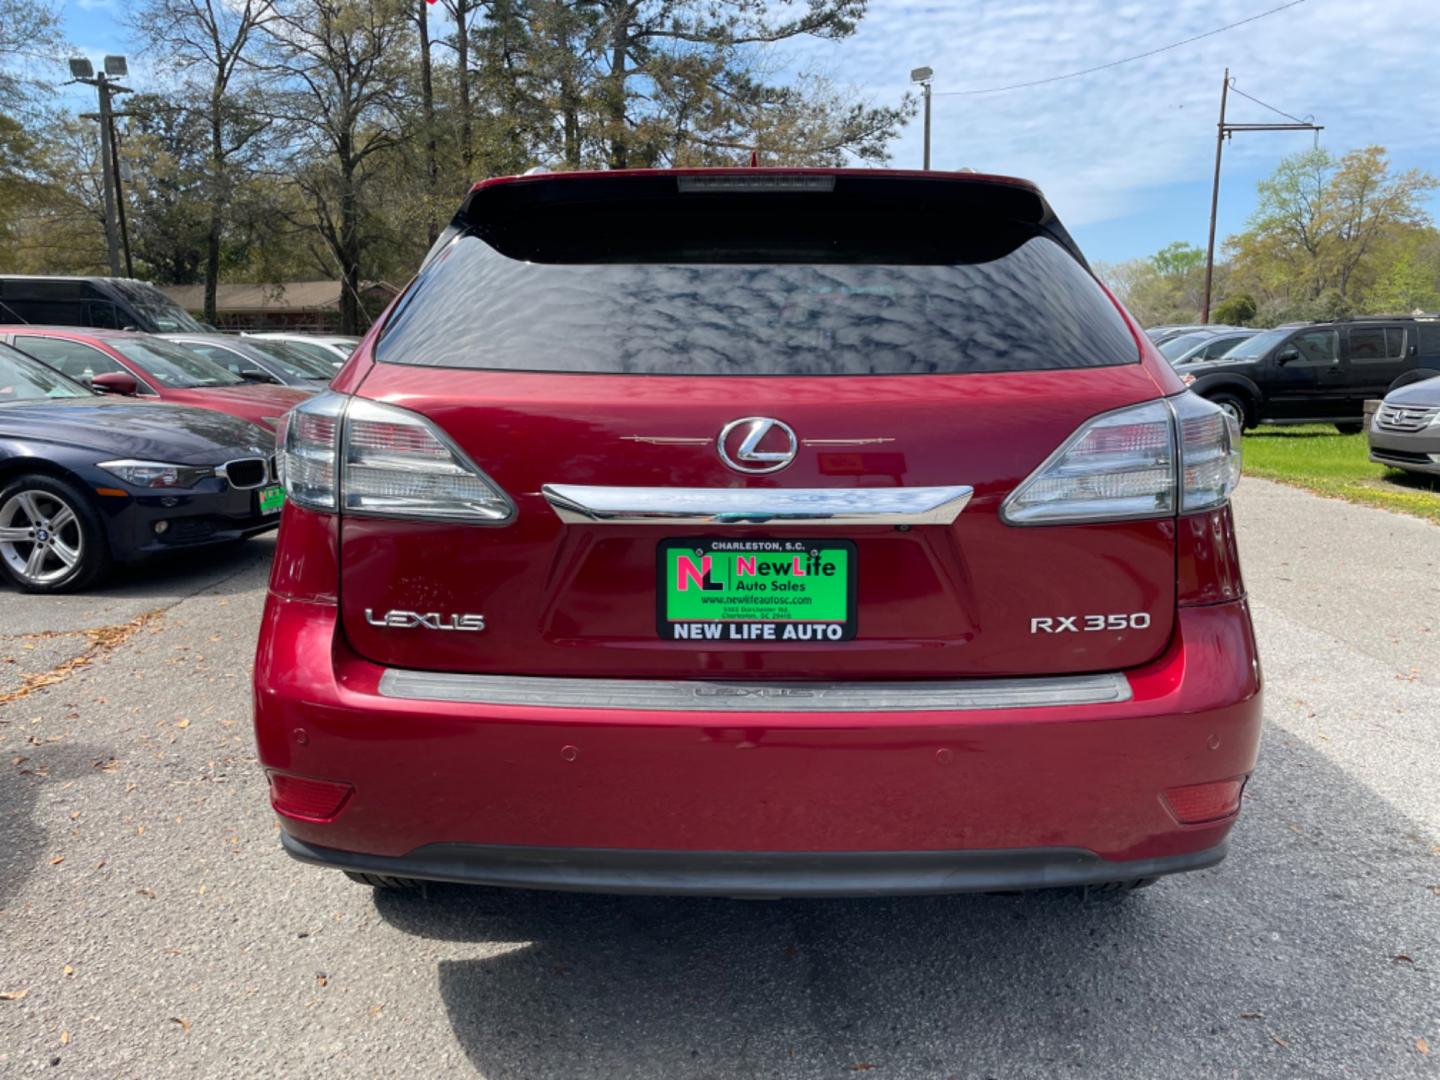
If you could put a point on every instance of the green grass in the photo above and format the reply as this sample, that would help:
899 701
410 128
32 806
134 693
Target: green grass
1315 457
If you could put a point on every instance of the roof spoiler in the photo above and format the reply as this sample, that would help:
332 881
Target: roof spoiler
759 215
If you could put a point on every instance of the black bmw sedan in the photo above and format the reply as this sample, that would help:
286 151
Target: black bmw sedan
89 481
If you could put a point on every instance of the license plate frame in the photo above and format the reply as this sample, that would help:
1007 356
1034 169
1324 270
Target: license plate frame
270 499
745 616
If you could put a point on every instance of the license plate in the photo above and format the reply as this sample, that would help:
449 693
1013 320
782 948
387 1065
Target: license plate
272 499
714 589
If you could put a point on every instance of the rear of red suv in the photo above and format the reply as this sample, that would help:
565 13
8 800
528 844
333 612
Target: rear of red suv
757 532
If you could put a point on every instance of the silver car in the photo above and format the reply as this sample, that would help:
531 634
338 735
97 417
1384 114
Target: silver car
1406 431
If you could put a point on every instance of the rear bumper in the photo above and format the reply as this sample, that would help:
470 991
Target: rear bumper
811 801
755 874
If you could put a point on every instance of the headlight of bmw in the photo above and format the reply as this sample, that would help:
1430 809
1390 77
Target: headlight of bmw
157 474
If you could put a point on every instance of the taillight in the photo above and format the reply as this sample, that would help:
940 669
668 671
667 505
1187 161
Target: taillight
363 457
1209 441
1156 459
308 443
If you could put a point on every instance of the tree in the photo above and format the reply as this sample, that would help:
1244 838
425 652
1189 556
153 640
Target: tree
1178 260
209 43
29 42
1236 310
1164 288
337 71
683 80
1314 239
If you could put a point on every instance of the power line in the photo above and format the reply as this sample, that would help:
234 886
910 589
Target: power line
1117 63
1278 112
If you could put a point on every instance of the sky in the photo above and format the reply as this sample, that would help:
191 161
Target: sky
1124 155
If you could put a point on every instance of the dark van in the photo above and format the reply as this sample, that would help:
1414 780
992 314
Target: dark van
1318 372
105 302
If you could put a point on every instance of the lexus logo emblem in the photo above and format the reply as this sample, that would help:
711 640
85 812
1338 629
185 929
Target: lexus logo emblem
757 444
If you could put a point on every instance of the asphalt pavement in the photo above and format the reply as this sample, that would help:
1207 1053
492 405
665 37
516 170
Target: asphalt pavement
151 927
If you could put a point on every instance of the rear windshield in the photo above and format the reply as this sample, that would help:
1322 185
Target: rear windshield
1030 307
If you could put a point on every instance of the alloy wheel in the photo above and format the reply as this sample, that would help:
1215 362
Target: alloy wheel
1234 410
40 536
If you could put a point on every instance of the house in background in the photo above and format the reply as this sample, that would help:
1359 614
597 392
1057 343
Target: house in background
301 306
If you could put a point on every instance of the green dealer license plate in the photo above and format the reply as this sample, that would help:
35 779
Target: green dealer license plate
272 499
756 590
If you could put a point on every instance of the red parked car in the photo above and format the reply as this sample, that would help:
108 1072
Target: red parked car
757 533
121 362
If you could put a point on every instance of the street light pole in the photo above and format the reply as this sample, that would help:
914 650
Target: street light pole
1224 131
1215 198
105 85
924 76
112 245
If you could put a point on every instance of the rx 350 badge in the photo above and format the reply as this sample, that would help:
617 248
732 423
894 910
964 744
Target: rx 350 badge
1088 624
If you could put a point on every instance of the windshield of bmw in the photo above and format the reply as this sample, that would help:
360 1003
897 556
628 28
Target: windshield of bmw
23 379
1025 305
173 365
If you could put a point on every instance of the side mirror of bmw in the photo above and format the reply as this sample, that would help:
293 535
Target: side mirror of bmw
115 382
1287 354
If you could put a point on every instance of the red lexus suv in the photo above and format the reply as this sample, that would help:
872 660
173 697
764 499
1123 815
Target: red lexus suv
757 532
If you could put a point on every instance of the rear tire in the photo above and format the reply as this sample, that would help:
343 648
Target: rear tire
385 881
1350 428
51 538
1236 406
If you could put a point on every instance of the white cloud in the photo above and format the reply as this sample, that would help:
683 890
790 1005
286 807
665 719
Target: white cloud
1101 144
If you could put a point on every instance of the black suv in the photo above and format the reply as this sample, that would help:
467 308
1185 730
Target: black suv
1318 372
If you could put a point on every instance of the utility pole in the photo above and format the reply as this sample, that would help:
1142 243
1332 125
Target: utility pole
104 82
925 76
1224 131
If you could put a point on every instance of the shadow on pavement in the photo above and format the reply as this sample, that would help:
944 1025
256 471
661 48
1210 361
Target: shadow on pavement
23 841
1280 961
181 574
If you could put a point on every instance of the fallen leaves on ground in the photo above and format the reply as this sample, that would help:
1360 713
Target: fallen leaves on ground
13 995
184 1024
1422 1046
101 641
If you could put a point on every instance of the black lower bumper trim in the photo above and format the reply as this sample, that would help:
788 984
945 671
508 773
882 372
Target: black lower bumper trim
760 874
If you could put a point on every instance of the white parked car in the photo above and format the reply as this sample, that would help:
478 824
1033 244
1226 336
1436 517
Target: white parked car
334 349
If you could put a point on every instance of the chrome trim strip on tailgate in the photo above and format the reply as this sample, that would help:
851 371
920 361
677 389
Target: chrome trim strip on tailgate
685 695
584 504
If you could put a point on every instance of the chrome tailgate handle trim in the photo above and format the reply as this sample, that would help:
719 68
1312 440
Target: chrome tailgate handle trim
590 505
685 695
